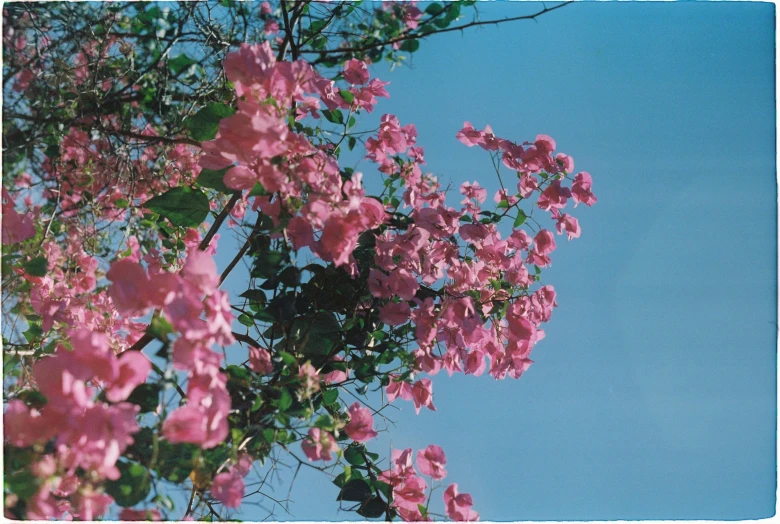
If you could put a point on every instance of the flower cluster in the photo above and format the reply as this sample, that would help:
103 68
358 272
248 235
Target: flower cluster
90 434
443 277
409 489
304 186
180 296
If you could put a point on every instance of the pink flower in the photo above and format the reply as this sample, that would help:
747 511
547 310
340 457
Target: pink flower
554 196
502 195
201 270
15 227
240 178
361 423
228 488
134 368
338 240
395 313
319 445
90 504
474 363
128 287
431 461
580 189
567 223
422 394
186 424
403 284
398 389
356 72
402 467
140 514
337 375
25 426
45 468
309 377
410 493
520 328
244 464
473 191
459 505
566 162
468 135
527 185
545 143
426 362
260 361
544 242
300 232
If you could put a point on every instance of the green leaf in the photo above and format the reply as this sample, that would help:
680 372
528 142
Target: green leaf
520 220
285 400
324 422
329 396
351 142
180 63
263 315
411 45
147 396
255 295
441 23
342 478
121 203
355 490
290 277
204 124
382 487
160 328
268 264
213 179
258 403
354 456
335 116
182 206
434 9
315 334
33 332
132 486
238 372
317 26
347 95
287 358
258 190
164 501
246 320
32 398
372 508
24 484
176 461
36 267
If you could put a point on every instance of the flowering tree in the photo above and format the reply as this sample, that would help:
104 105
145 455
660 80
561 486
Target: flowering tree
132 134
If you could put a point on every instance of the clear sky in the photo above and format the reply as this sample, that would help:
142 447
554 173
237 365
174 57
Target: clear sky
654 394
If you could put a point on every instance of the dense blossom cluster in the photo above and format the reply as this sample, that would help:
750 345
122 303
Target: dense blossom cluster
305 187
464 290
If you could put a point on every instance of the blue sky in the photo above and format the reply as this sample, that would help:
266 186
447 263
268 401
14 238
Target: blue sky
654 394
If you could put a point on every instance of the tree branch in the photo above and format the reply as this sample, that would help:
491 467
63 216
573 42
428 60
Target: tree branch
412 36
